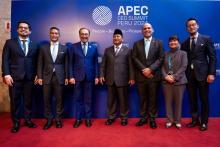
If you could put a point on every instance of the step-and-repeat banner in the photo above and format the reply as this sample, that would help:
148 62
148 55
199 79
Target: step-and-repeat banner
168 17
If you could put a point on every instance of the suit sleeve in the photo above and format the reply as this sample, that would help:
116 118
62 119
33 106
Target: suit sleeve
160 58
6 59
40 63
131 67
181 71
103 65
66 64
96 64
70 61
135 58
212 57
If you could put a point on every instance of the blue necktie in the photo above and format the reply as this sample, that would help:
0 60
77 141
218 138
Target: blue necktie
84 48
24 46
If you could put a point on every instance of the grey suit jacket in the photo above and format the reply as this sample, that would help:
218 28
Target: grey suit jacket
46 65
179 65
117 68
153 61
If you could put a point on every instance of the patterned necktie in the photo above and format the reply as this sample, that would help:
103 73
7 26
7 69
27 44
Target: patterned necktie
24 46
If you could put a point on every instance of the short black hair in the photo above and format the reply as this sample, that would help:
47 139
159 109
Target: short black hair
173 37
83 29
23 21
191 18
55 28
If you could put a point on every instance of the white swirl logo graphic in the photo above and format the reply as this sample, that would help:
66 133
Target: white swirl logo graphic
102 15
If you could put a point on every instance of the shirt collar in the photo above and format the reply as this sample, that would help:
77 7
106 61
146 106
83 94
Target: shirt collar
118 46
54 43
82 43
195 36
27 39
148 39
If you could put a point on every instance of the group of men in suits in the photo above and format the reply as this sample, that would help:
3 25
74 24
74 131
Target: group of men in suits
53 66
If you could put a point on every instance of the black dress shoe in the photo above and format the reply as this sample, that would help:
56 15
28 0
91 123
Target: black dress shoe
59 124
124 122
109 121
77 123
88 123
153 124
141 122
15 128
193 124
30 124
48 125
203 127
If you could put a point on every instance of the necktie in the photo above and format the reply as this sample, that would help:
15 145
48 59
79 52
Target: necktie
117 49
146 46
193 44
54 53
24 46
84 48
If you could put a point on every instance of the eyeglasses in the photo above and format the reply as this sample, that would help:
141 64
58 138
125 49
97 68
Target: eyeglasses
25 28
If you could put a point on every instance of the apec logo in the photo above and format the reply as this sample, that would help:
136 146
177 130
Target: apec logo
102 15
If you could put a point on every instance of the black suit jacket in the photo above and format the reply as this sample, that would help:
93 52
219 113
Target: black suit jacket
153 61
46 65
117 68
15 63
203 57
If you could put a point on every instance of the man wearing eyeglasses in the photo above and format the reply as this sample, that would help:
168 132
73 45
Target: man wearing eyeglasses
19 73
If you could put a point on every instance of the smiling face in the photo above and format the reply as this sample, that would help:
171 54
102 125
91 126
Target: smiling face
23 30
54 35
192 27
117 39
173 44
84 35
147 30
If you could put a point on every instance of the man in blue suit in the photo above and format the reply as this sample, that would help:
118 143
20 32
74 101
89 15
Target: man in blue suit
19 73
83 73
200 72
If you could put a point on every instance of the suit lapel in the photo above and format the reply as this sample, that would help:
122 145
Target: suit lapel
19 46
49 52
151 48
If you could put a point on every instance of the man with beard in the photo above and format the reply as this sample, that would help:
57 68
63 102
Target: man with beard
19 73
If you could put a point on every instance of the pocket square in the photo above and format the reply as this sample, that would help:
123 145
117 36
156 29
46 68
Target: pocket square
201 44
61 52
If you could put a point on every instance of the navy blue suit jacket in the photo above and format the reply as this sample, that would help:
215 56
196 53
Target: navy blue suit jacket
203 57
83 67
15 63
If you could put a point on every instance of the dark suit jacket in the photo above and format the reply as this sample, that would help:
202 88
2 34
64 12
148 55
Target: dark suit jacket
202 65
179 64
117 68
153 61
15 63
83 67
46 64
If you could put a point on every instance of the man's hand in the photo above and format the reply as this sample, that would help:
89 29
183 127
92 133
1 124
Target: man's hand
146 72
210 78
131 82
101 80
8 80
40 81
96 81
72 81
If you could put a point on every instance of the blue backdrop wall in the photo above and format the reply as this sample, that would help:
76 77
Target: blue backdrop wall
102 17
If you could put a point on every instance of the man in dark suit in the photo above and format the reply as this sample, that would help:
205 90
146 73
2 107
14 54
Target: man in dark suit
200 71
148 56
117 69
83 73
52 74
19 73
